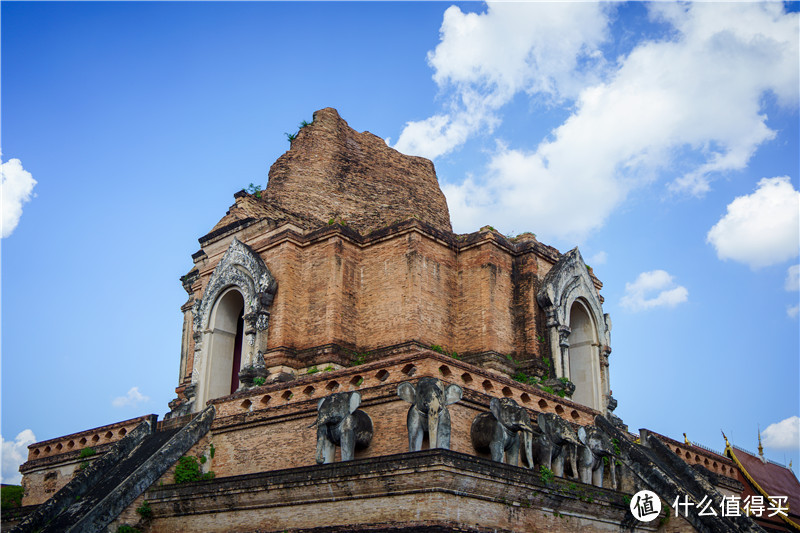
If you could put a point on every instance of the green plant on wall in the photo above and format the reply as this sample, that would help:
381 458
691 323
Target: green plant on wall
144 510
293 136
545 474
188 470
444 351
88 452
255 190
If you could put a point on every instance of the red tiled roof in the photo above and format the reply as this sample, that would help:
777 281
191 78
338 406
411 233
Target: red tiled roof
776 480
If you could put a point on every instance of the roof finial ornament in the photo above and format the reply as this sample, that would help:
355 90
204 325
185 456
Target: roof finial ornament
760 448
686 440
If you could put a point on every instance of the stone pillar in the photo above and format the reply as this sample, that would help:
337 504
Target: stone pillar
563 344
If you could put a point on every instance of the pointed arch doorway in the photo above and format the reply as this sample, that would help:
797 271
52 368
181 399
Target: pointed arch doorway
584 367
225 343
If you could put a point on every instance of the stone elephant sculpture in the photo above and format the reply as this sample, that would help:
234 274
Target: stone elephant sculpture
505 430
596 450
340 421
556 442
428 411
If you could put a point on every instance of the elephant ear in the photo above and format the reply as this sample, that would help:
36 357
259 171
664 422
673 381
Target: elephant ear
582 436
494 407
407 392
355 401
452 394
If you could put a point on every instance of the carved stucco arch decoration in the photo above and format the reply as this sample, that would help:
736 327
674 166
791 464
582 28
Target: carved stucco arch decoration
565 283
243 269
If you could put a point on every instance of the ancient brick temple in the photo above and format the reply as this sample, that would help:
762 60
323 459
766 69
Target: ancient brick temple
342 280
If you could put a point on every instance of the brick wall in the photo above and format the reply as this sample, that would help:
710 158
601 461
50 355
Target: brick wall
470 294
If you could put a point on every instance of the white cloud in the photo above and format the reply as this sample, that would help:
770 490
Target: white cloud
762 228
17 189
688 105
14 454
792 282
783 435
485 59
792 311
653 289
599 258
133 398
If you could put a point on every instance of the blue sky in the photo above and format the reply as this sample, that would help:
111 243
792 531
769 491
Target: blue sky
662 139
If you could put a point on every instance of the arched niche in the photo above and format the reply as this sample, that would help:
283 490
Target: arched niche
240 291
578 332
583 356
225 336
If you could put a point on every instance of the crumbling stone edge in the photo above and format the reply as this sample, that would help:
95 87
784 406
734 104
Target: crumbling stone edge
87 478
147 473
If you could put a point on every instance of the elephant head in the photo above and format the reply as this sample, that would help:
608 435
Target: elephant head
428 411
597 449
503 430
339 421
557 442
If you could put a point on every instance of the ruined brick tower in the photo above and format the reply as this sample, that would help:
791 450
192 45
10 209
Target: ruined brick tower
349 253
342 283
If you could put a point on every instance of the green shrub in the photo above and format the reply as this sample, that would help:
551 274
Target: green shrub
545 474
259 381
255 190
11 496
187 469
125 528
144 510
88 452
440 349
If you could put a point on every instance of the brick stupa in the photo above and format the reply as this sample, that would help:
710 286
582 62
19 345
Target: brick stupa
344 276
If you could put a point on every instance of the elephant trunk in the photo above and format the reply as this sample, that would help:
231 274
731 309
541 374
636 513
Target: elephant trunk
434 409
527 445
